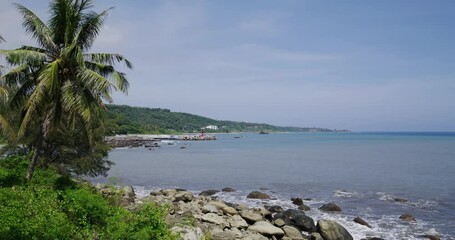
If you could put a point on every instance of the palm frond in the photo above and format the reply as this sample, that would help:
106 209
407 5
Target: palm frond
34 26
22 56
90 28
108 58
2 39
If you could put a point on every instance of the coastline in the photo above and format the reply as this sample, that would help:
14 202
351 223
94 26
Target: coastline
207 215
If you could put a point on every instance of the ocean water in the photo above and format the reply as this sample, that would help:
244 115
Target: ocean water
362 172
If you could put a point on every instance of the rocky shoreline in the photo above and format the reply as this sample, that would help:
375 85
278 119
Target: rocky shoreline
205 217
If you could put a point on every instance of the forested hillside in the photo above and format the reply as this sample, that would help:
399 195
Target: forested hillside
123 119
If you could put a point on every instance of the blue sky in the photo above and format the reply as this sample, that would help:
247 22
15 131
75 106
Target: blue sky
359 65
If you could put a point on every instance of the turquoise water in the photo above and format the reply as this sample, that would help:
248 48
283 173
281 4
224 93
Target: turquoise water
362 172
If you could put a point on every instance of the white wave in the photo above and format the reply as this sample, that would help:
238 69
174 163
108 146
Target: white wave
345 194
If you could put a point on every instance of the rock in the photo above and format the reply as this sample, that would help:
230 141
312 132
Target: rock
237 222
228 189
214 218
407 217
225 235
184 196
265 213
250 216
361 222
188 232
169 192
316 236
128 191
266 229
229 210
304 207
372 238
258 195
208 208
253 236
293 233
330 207
279 222
208 192
400 200
297 201
431 237
218 204
331 230
297 219
274 209
156 193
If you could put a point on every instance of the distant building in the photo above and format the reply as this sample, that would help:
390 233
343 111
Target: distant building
211 127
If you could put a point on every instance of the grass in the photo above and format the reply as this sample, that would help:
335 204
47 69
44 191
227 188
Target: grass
56 207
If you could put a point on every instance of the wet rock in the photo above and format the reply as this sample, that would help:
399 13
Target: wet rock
250 216
266 229
304 207
407 217
331 230
297 201
400 200
361 222
330 207
293 233
209 192
258 195
431 237
228 189
274 209
372 238
297 219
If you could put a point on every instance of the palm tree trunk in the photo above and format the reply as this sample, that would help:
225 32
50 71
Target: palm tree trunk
36 154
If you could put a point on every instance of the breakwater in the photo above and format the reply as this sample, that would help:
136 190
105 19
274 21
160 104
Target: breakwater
149 141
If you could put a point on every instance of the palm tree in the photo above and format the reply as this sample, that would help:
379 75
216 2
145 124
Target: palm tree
59 80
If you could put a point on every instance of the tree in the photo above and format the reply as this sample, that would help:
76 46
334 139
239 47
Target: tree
58 85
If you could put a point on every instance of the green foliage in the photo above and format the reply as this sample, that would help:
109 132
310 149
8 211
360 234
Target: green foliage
122 119
52 206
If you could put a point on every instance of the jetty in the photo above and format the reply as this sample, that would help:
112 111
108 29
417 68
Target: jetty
139 140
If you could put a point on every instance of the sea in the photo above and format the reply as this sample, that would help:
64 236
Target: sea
362 172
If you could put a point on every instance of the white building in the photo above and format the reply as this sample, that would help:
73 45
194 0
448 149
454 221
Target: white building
211 127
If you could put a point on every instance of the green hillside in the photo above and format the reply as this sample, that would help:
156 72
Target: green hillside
123 119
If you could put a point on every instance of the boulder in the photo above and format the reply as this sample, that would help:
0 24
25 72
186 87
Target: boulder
225 235
209 208
228 189
169 192
297 219
331 230
188 232
400 200
209 192
266 229
218 204
407 217
229 210
258 195
431 237
304 207
214 218
251 216
330 207
279 222
184 196
297 201
274 209
237 222
316 236
293 233
361 222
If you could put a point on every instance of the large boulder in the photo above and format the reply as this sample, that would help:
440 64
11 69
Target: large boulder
361 222
258 195
209 192
274 209
331 230
250 216
297 219
316 236
266 229
330 207
293 233
237 222
228 189
214 218
209 208
225 235
297 201
184 196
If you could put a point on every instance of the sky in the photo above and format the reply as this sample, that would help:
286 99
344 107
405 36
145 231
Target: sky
360 65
